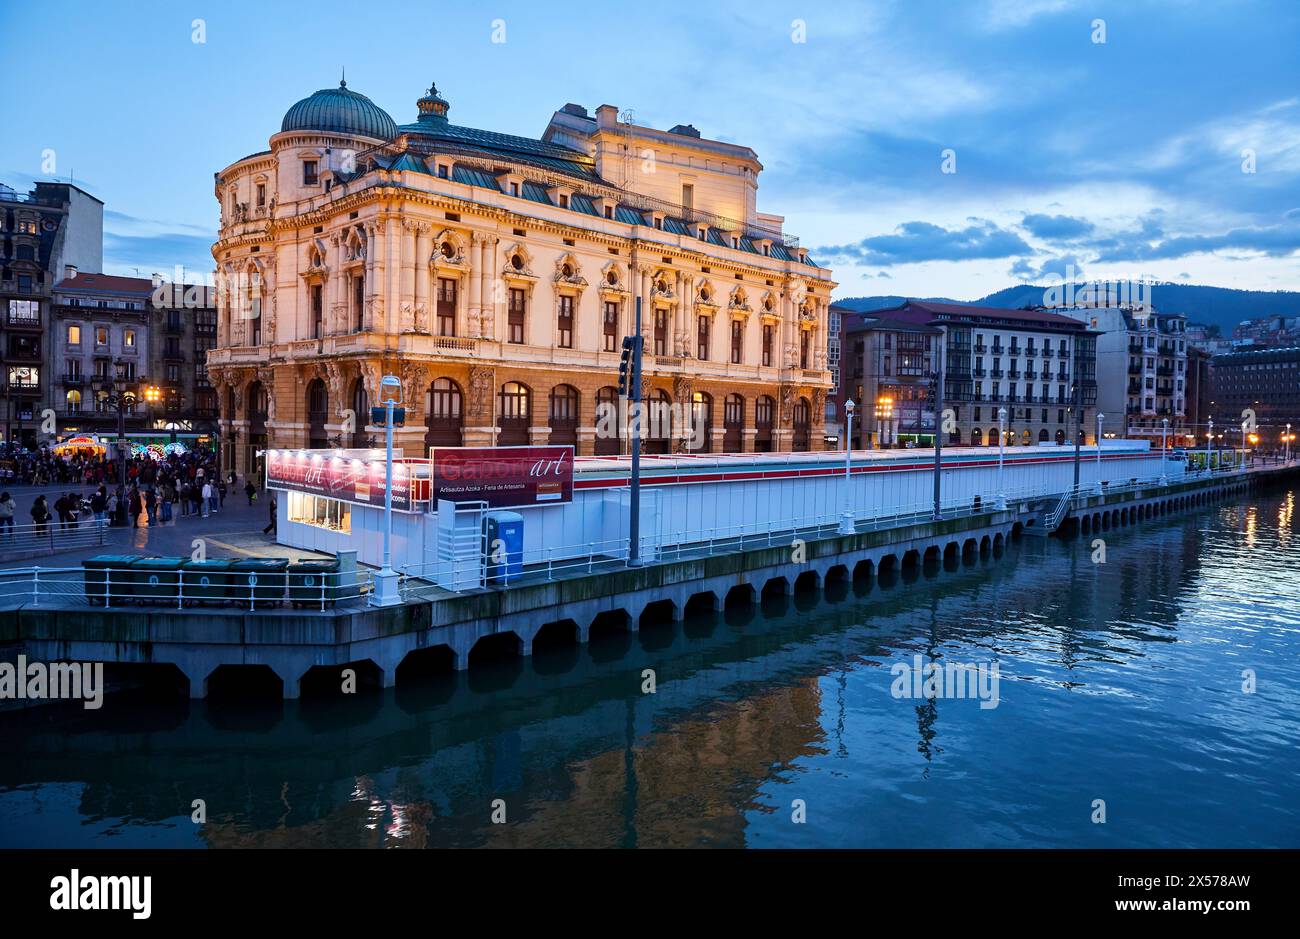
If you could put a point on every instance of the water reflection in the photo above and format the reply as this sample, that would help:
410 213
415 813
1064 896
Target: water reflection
1120 680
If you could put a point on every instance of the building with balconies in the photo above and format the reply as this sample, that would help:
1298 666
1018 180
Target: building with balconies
497 276
1033 364
1142 369
55 228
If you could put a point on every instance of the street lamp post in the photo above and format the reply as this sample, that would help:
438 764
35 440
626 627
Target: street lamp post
1286 445
1100 418
1002 439
386 592
120 392
1209 445
1164 433
847 526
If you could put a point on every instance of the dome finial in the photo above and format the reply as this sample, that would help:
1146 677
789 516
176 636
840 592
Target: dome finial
432 106
343 79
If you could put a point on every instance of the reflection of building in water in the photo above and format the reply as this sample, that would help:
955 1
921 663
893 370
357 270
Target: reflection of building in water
687 787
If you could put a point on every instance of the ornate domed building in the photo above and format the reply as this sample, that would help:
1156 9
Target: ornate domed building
497 274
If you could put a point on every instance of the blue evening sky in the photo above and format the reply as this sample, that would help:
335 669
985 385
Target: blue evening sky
1123 157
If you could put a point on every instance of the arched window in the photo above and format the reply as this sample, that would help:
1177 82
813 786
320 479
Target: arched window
361 412
764 409
977 438
563 415
1042 435
700 434
802 426
658 422
445 422
993 436
1060 437
733 424
1026 437
74 402
317 415
608 431
514 406
258 404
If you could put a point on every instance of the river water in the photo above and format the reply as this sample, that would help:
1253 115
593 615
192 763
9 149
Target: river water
1122 687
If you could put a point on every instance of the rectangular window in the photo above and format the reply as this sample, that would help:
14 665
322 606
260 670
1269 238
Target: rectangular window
769 332
661 332
359 301
128 339
737 341
446 306
309 177
317 311
74 335
702 337
688 196
805 344
564 324
515 316
261 195
24 312
611 326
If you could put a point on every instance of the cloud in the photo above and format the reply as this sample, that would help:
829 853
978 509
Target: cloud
1067 267
1012 14
157 253
1151 243
914 242
1056 227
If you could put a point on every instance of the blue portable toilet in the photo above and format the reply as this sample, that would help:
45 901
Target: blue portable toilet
503 546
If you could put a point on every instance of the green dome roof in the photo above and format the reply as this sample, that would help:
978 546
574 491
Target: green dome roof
340 111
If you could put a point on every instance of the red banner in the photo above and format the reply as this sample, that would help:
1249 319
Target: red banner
333 477
503 477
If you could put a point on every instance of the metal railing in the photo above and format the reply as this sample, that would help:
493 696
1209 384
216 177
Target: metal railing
181 589
52 537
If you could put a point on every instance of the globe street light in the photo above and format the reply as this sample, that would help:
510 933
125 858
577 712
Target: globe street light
846 519
1100 418
1209 445
1001 502
1286 444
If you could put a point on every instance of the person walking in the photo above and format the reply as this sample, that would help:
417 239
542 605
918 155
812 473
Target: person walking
133 506
99 503
221 492
7 514
184 497
270 529
151 507
168 497
209 503
251 491
40 515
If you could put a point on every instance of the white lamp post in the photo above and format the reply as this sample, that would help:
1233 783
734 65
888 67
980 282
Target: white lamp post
1164 433
386 592
1001 502
1100 418
1209 445
1286 442
847 526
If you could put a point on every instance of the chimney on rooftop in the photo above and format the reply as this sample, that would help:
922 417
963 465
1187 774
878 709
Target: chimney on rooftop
69 271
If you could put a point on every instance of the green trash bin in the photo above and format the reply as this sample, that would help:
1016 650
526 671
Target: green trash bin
156 580
104 588
313 582
257 582
206 580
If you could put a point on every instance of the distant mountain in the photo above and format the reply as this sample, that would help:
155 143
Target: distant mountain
1224 307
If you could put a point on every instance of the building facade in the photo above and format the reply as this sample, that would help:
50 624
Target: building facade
1263 383
1035 365
497 276
100 332
55 229
1141 370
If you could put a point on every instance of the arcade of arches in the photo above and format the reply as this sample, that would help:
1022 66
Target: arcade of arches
321 405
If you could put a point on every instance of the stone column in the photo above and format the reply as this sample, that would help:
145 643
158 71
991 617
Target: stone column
393 268
422 305
491 308
475 285
374 272
406 295
681 319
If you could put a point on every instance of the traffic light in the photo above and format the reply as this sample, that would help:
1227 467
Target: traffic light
625 366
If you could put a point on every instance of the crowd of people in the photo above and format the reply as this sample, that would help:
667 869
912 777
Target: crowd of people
156 490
